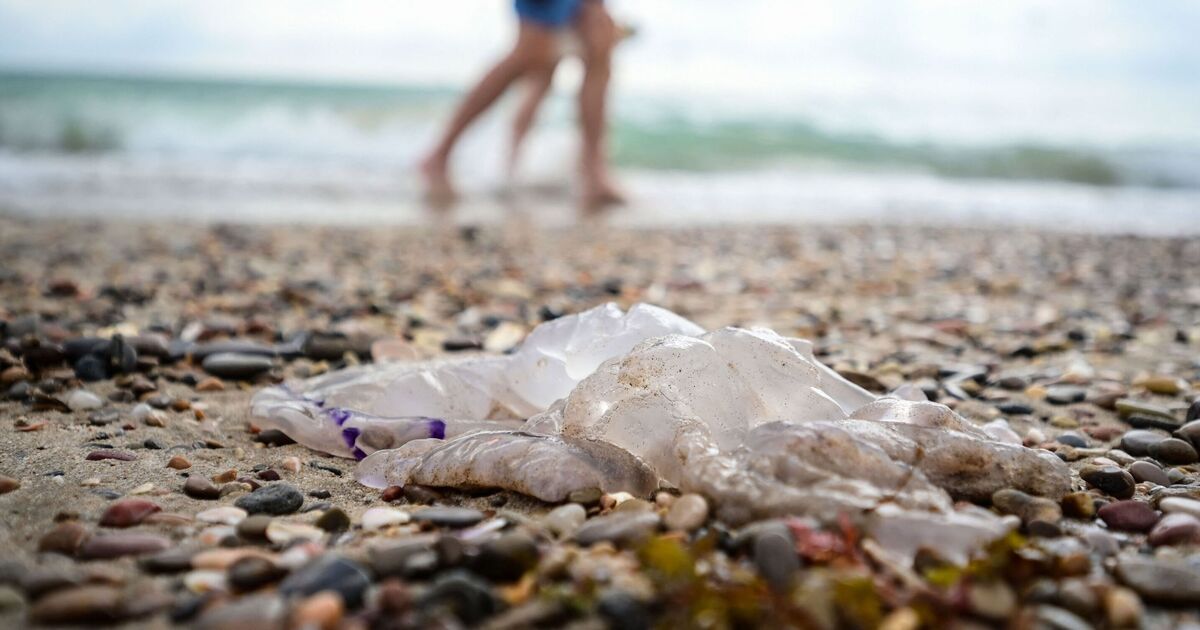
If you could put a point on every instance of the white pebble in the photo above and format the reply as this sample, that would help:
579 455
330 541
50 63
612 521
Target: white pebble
291 464
83 400
224 515
565 519
145 488
381 517
1180 505
280 532
141 412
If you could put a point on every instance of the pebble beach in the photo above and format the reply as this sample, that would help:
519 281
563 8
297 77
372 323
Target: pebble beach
137 491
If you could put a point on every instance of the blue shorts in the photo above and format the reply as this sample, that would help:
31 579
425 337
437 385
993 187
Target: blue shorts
549 13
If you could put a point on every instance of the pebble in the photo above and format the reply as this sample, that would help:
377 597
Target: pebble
1173 451
687 514
1132 516
448 516
282 532
65 538
622 610
1078 505
8 484
124 544
210 384
291 464
1193 412
1028 508
89 604
992 599
321 611
256 611
776 559
254 527
330 572
1014 409
1072 439
1175 529
276 498
377 518
102 454
179 462
1065 394
1130 407
1162 581
174 560
334 520
83 400
469 598
620 528
224 515
1180 505
507 558
1152 422
236 366
128 512
1137 441
1163 385
565 519
1146 471
1110 480
206 581
1122 608
198 487
252 572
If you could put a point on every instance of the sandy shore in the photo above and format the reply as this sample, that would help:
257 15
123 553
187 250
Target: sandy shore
985 321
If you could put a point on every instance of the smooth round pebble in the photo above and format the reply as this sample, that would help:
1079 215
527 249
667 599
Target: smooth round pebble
1110 480
128 512
1175 529
1181 505
448 516
1173 451
83 400
687 514
1146 471
565 519
1132 516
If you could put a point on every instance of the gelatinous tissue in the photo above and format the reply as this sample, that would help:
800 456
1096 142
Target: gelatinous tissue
632 401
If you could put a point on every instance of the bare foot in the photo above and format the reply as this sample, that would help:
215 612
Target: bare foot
601 194
438 189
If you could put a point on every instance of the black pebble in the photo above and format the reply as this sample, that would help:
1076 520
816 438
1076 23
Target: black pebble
329 573
467 597
277 499
622 610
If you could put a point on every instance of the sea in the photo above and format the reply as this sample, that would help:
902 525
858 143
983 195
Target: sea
205 148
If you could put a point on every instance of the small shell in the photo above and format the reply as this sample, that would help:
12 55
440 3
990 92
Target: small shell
381 517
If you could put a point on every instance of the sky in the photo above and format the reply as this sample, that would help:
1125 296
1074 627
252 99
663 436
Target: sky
1030 58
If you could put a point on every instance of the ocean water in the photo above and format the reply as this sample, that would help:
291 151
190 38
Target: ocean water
259 150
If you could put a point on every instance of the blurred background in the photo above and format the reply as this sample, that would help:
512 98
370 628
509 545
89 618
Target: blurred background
1072 114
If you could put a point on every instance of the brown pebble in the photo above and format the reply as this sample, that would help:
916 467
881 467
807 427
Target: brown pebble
82 604
323 610
128 512
210 384
1079 505
180 404
123 544
269 475
1130 515
198 487
8 484
225 477
106 453
392 493
65 538
179 462
394 597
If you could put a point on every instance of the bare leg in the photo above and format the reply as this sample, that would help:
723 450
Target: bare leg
598 35
538 85
535 50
